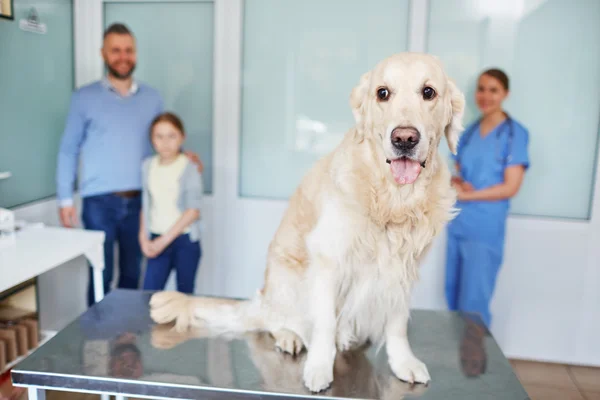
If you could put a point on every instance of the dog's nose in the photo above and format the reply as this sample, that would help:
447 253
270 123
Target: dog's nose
405 138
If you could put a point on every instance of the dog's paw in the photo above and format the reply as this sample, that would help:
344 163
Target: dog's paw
166 307
318 373
410 370
163 298
288 342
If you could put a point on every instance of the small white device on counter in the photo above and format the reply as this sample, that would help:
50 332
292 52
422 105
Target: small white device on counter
7 227
7 220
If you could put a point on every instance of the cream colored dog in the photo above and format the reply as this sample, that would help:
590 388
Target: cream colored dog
343 262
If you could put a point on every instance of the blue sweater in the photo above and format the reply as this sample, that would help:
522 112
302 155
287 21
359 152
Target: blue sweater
109 134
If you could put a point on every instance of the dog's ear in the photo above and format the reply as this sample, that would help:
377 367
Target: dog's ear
358 97
457 110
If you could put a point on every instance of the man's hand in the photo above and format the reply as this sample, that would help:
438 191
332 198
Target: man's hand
68 216
195 159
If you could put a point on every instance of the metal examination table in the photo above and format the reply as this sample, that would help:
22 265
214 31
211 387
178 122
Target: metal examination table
114 348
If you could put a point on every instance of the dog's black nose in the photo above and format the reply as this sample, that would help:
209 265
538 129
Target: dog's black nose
405 138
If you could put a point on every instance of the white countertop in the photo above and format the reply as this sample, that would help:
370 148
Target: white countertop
39 249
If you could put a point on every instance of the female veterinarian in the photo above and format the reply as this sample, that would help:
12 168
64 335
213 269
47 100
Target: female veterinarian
491 162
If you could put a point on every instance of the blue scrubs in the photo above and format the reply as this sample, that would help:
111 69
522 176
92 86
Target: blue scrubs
476 236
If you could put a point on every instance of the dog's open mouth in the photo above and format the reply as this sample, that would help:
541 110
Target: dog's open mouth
405 170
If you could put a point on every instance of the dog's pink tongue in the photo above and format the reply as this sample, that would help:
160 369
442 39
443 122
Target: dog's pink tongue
405 171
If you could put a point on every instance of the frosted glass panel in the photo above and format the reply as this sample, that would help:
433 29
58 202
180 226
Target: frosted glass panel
175 55
301 59
36 81
550 51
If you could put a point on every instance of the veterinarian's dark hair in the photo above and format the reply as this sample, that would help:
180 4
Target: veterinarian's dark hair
117 28
170 118
499 75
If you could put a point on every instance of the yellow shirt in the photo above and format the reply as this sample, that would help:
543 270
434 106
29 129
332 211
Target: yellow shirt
163 185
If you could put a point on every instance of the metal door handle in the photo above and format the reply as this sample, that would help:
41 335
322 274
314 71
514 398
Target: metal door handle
5 175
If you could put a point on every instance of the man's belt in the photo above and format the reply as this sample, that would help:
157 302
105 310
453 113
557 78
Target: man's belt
128 194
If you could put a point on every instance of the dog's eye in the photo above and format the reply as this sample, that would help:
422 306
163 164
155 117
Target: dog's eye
383 94
428 93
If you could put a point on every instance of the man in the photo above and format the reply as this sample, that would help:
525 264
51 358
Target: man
108 126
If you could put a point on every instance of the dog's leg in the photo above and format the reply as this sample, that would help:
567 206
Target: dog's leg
403 362
168 306
318 369
346 339
288 342
219 314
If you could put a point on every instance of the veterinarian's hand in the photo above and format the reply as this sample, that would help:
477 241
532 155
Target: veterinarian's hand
456 180
462 194
467 187
193 157
460 184
463 190
457 186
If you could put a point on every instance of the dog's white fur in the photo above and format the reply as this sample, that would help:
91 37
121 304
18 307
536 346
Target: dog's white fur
343 262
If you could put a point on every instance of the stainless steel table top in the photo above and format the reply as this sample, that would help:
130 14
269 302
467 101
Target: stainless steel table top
114 347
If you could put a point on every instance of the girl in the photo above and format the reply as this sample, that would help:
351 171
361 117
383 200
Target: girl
170 220
491 162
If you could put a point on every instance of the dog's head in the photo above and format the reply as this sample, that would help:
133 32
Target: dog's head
406 103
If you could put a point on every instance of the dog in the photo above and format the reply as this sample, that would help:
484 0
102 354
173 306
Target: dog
343 262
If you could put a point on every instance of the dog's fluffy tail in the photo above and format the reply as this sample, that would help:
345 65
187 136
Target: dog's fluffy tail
217 314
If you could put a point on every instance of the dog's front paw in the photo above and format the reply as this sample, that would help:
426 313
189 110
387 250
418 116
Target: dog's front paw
318 373
171 306
410 369
288 342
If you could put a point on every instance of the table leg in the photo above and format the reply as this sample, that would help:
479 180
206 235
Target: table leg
96 257
120 397
34 393
104 396
98 285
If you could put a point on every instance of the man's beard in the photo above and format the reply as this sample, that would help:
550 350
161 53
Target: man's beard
117 74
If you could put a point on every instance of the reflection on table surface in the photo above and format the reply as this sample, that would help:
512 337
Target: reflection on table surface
116 339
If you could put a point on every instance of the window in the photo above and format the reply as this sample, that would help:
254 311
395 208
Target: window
300 62
549 50
36 81
175 56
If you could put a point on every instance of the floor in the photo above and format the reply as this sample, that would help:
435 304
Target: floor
556 381
542 381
